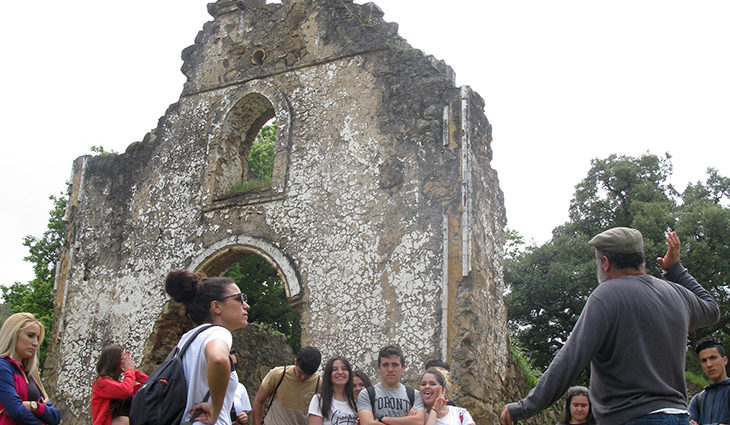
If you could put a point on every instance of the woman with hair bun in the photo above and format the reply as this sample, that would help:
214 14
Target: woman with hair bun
217 301
434 387
23 400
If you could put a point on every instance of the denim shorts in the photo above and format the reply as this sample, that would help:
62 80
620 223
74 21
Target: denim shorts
660 419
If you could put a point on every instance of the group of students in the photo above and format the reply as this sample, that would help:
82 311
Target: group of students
337 398
344 396
296 394
217 306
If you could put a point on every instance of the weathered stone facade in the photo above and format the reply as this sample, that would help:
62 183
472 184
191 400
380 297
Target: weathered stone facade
383 217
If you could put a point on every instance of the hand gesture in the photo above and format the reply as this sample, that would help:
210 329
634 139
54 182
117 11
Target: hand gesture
672 256
242 418
440 400
505 418
127 361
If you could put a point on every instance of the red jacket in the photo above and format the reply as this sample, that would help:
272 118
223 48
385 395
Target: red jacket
106 389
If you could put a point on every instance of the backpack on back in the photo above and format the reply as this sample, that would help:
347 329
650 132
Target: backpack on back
162 399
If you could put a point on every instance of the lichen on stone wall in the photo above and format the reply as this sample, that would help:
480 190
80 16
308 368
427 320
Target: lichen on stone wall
364 217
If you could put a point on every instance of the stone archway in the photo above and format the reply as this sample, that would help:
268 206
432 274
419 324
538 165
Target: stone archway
259 349
220 256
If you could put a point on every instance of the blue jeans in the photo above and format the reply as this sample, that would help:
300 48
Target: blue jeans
660 419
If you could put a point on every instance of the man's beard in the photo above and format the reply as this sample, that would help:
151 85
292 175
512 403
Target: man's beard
602 277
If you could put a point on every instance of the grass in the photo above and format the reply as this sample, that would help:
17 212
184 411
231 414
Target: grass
250 185
695 379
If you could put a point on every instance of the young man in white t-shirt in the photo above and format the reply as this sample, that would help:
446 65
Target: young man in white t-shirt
391 402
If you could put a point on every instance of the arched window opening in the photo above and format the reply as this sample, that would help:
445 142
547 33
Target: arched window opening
264 291
260 162
242 129
248 148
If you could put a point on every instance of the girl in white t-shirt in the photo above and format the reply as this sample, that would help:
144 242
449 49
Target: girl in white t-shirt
434 384
334 404
218 301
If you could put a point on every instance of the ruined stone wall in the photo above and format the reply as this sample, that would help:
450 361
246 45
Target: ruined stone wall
383 217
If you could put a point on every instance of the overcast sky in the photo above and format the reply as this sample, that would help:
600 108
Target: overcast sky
564 82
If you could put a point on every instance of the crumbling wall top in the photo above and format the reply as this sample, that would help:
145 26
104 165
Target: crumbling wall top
273 38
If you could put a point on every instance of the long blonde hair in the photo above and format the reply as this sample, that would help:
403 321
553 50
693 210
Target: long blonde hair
9 337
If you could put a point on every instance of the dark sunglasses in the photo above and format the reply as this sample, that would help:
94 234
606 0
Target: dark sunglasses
239 297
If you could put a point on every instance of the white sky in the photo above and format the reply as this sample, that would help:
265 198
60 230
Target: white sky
564 82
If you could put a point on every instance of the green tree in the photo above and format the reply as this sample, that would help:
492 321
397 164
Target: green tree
549 284
37 296
261 157
5 311
703 222
265 293
260 165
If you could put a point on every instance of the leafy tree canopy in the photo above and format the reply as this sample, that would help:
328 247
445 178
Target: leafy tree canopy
261 157
37 296
549 284
265 293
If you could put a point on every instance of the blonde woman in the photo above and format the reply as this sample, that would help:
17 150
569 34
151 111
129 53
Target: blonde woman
23 400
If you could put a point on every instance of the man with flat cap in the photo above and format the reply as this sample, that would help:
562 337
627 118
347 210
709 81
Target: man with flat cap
633 332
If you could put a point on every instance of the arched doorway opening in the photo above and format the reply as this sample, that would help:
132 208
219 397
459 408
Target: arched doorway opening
259 347
263 283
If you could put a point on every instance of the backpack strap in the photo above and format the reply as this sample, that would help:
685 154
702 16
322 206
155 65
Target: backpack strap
273 395
179 353
700 399
371 394
199 411
182 351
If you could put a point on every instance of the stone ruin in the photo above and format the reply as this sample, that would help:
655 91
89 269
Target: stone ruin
383 218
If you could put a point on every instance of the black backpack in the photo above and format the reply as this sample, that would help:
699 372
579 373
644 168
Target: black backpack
162 399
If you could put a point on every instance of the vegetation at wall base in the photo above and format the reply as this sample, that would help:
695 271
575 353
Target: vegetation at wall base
530 374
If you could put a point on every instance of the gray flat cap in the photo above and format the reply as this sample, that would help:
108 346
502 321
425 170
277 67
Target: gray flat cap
619 240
